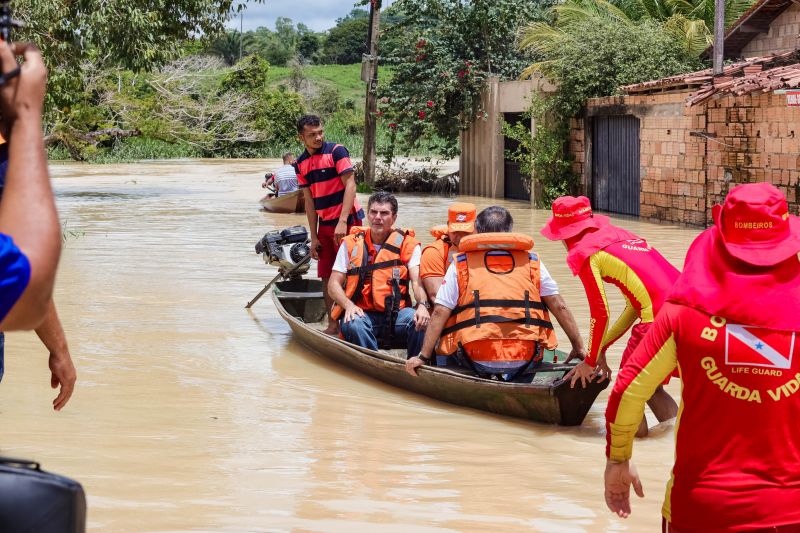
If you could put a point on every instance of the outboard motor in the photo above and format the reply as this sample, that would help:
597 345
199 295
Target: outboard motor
286 249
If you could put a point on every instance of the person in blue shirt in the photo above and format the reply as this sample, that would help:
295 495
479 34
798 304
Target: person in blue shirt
30 234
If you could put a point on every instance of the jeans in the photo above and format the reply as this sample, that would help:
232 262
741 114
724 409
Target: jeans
363 331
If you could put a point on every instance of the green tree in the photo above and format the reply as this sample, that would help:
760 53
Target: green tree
227 46
284 29
133 34
308 45
277 54
442 53
278 46
355 14
347 41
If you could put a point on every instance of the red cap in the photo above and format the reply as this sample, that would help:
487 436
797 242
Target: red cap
571 216
755 225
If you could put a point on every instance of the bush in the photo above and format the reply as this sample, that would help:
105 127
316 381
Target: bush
326 103
249 74
603 56
279 113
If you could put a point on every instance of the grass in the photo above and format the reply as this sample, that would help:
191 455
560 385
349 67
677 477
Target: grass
131 149
67 234
139 148
346 78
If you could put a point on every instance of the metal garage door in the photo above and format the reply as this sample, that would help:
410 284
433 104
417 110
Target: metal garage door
615 164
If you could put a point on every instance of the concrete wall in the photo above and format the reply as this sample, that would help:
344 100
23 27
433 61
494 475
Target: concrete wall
690 157
782 36
482 158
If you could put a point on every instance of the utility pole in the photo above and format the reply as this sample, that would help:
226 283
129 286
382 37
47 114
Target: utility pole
371 104
241 33
719 36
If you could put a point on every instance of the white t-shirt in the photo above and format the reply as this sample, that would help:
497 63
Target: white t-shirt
340 264
448 292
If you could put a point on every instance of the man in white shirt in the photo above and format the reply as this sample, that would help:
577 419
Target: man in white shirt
285 176
494 219
374 274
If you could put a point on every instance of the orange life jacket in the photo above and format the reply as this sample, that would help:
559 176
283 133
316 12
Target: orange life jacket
442 245
500 321
373 276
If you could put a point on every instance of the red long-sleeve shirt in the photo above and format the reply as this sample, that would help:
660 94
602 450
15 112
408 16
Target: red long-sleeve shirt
643 275
737 442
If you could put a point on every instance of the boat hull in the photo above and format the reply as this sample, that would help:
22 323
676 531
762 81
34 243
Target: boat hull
289 203
547 399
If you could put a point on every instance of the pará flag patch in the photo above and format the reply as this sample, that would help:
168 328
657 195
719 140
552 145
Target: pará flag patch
753 346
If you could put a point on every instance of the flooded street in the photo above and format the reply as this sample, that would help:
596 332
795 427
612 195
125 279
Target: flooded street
191 414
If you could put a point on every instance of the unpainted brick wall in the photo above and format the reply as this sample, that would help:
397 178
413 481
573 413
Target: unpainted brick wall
757 139
690 159
782 36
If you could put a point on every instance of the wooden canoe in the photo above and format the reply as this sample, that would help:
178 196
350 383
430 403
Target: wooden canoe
288 203
547 398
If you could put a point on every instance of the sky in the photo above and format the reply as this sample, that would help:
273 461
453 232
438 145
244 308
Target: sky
319 15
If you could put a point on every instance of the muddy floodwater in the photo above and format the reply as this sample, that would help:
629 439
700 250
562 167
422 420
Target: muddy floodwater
191 414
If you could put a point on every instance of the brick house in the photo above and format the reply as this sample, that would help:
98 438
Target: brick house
670 149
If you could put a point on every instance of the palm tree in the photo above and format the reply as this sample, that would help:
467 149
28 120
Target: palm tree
229 45
689 21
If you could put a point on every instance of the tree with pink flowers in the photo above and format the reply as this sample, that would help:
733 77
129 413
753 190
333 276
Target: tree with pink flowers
441 52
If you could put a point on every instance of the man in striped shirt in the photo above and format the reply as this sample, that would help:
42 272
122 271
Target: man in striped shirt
284 179
324 169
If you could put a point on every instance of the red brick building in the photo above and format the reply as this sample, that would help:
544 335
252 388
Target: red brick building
670 149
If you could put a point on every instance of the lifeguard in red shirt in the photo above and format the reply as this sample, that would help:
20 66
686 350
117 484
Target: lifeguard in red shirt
324 169
599 252
731 327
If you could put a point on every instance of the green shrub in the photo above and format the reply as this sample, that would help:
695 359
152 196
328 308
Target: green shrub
602 56
249 75
326 103
279 114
